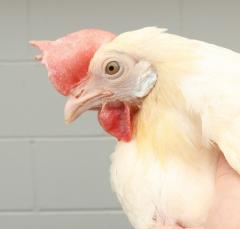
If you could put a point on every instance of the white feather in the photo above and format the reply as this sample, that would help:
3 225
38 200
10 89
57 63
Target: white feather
213 91
196 81
176 193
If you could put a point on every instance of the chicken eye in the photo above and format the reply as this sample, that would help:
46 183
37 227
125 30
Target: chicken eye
112 68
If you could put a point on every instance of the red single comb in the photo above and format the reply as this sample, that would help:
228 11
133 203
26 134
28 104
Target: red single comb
67 59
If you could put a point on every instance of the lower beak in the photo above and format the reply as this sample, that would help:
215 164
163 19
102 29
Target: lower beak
82 100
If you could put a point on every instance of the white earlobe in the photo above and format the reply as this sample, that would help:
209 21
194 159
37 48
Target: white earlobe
147 78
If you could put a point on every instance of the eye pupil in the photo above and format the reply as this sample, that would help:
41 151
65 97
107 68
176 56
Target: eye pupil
112 68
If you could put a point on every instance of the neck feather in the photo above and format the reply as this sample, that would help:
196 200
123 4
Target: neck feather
164 127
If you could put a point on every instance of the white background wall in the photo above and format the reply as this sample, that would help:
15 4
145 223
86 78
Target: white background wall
54 176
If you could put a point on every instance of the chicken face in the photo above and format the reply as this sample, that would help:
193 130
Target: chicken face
114 83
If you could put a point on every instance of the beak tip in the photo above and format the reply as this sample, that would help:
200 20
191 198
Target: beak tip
67 121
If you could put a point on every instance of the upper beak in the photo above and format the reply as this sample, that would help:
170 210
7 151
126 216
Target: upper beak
82 99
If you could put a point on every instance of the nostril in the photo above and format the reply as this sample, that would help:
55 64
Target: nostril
79 94
76 92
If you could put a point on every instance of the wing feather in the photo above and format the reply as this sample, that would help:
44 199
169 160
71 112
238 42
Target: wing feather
213 91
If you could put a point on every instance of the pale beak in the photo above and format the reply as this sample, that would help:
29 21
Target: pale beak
83 99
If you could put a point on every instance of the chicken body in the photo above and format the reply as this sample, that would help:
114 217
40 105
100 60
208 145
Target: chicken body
168 170
164 168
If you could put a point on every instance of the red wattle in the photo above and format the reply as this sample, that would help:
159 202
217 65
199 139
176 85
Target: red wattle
116 120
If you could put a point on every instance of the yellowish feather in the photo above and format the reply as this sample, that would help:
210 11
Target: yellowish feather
161 127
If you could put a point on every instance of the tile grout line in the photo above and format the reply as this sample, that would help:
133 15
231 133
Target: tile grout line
61 212
54 138
28 18
17 61
96 210
34 177
181 5
33 154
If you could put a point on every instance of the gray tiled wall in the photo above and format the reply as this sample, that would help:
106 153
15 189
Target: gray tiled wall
54 176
